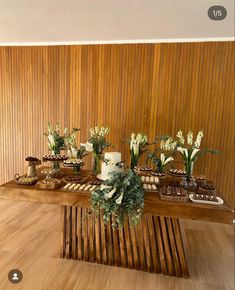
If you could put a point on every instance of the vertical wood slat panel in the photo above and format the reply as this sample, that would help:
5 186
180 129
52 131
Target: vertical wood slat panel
156 89
79 239
79 233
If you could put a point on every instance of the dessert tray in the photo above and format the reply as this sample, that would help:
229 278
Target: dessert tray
199 179
158 174
75 179
177 172
25 179
149 182
33 159
206 199
142 170
173 192
54 158
76 187
207 189
73 163
49 183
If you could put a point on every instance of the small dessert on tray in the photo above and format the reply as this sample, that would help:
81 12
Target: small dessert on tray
207 189
49 183
149 179
206 199
25 179
172 192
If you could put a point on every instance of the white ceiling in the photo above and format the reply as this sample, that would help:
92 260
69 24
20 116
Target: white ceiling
31 22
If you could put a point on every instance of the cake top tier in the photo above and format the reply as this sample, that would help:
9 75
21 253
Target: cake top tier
113 156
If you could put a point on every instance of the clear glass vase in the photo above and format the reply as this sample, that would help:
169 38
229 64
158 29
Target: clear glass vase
134 160
96 164
55 165
188 181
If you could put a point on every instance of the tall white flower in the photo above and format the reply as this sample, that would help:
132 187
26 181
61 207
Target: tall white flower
168 160
190 138
197 143
51 140
111 193
135 147
74 152
96 129
162 145
144 139
92 132
49 128
102 131
183 151
165 160
180 136
88 146
168 144
103 186
57 128
119 200
195 151
133 136
162 158
139 138
107 130
173 145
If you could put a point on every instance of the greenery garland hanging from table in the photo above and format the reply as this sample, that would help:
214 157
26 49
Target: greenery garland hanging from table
121 196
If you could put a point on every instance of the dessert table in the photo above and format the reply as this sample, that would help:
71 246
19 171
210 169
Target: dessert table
154 245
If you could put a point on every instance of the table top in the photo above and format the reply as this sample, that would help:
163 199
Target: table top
153 204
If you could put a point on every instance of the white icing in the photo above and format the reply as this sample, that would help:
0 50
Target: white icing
112 159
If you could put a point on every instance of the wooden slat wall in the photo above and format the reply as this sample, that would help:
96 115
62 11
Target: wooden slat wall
156 89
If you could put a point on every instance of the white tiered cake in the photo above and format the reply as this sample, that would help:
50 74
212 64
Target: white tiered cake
112 158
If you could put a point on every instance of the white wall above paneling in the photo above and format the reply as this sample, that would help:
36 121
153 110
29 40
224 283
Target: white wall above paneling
111 21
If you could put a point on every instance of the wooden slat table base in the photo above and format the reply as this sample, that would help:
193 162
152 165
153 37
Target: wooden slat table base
154 245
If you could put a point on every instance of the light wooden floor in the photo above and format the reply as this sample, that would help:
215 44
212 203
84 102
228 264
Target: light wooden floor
29 241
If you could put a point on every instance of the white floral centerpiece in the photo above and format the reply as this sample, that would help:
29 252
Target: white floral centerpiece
161 157
55 140
138 143
96 144
73 151
190 150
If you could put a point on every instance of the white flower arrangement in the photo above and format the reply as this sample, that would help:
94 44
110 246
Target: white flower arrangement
96 144
167 145
192 150
88 146
138 144
56 142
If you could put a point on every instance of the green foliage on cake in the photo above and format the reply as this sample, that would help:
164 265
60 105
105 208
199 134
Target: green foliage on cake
120 197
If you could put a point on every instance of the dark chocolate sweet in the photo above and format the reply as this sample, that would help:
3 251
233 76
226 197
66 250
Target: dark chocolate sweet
32 159
56 157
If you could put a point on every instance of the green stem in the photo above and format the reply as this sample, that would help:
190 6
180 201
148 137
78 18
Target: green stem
96 164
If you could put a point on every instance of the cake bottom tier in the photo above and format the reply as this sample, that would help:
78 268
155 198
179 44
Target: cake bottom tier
154 245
